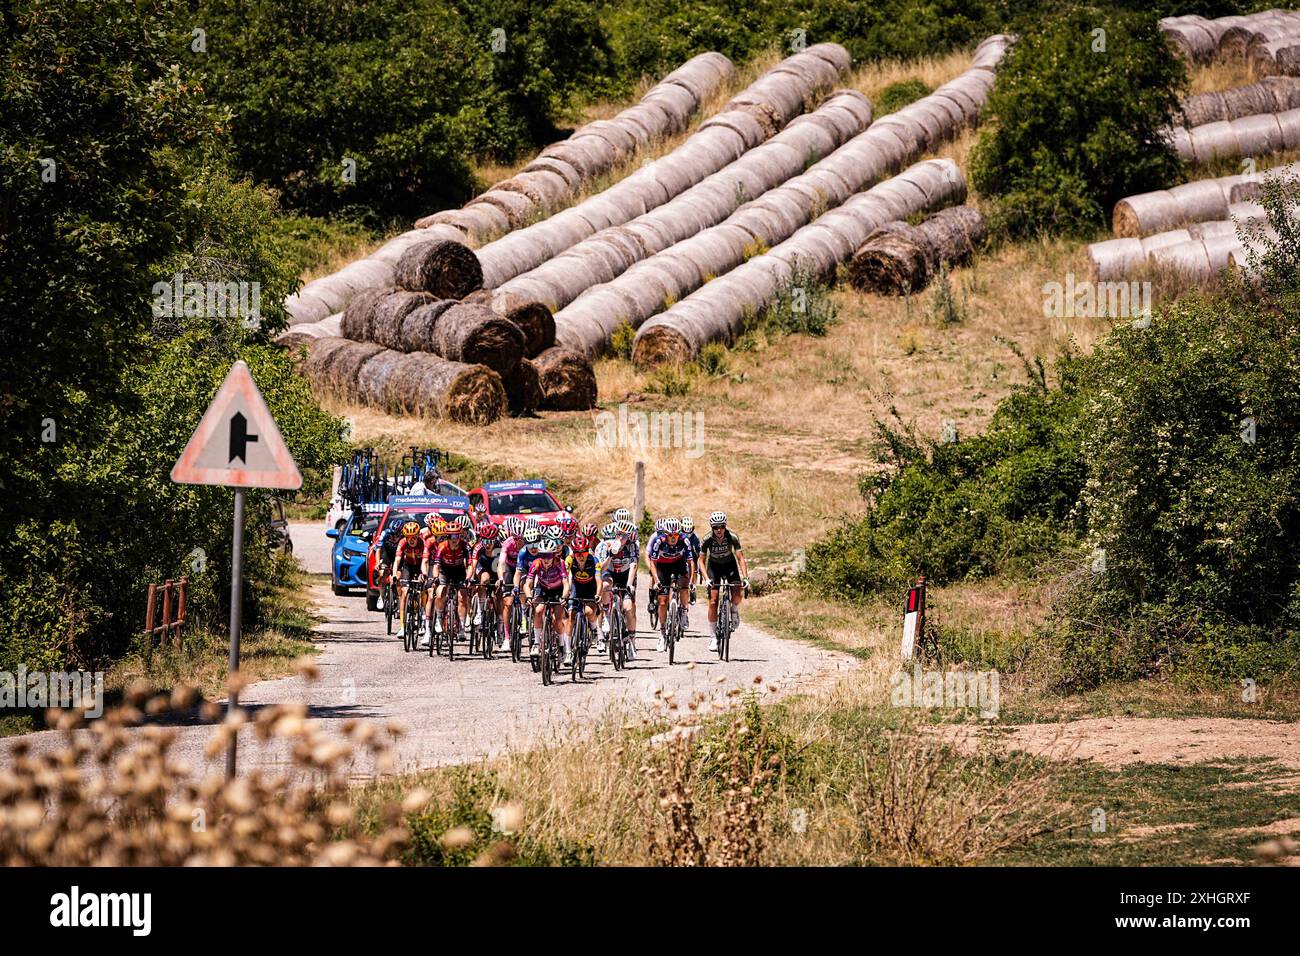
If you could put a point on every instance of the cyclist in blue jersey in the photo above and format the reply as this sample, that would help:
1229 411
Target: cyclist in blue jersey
671 557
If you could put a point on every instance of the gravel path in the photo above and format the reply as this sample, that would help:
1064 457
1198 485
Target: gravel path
464 709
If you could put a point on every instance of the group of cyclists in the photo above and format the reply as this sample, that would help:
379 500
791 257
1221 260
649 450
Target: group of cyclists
564 568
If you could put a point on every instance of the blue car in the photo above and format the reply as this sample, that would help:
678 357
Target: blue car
351 545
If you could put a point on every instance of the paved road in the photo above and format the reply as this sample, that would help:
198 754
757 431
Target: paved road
464 709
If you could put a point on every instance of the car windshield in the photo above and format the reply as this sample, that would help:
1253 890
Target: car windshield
366 525
521 503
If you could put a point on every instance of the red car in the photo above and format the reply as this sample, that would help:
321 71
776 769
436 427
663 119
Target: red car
527 498
403 508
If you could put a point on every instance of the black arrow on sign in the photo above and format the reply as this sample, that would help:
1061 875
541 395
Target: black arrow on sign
239 437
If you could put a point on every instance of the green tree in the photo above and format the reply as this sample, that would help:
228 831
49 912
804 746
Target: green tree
1073 124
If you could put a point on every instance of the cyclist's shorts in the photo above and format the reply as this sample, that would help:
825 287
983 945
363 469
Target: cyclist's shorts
729 572
548 594
486 567
405 573
584 590
451 574
619 579
666 572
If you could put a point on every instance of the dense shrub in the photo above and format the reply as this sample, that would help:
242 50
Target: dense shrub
963 508
410 91
897 95
99 394
1073 123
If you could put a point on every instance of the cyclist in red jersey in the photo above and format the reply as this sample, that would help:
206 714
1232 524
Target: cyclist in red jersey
548 580
449 563
408 562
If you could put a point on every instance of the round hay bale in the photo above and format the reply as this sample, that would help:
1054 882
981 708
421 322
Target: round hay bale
568 381
358 317
320 355
533 317
372 379
340 378
661 345
417 327
476 335
426 384
390 311
448 270
523 387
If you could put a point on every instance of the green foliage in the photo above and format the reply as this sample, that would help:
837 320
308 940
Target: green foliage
1071 129
897 95
99 394
473 796
408 90
802 306
959 509
712 360
623 340
671 381
1193 496
944 305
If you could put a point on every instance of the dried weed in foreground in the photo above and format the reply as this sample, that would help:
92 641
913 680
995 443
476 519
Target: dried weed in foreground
111 796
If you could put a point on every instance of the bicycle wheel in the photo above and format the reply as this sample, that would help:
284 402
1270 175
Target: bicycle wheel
724 629
474 629
388 606
670 634
516 630
436 637
544 652
451 626
408 627
487 633
616 636
575 646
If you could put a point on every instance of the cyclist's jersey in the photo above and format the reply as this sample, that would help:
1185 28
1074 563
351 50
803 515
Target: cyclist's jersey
582 572
485 552
693 540
523 560
616 555
509 553
661 551
724 551
447 558
549 578
410 553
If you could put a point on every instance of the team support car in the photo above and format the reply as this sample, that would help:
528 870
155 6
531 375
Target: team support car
400 509
352 547
526 498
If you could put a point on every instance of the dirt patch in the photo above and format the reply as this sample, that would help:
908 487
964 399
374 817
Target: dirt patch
1119 741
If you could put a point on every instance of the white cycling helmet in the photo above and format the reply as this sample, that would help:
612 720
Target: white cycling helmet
514 526
624 526
622 514
659 524
688 524
718 519
672 526
548 546
532 534
609 530
552 532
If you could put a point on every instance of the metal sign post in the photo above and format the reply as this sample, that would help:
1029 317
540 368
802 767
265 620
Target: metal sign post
236 615
237 444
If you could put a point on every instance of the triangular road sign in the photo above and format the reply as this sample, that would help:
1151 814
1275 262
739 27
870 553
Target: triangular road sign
237 442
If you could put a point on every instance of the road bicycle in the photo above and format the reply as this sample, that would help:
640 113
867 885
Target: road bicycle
390 600
617 628
484 620
550 654
725 612
653 606
451 631
673 614
413 615
581 639
519 626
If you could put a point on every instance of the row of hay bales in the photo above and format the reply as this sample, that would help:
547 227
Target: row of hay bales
1273 94
1194 253
899 258
421 383
650 285
1255 135
561 169
753 116
1202 200
1262 38
556 174
717 311
607 254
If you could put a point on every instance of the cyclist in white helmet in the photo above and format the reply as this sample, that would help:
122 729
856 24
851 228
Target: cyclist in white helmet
721 559
616 556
